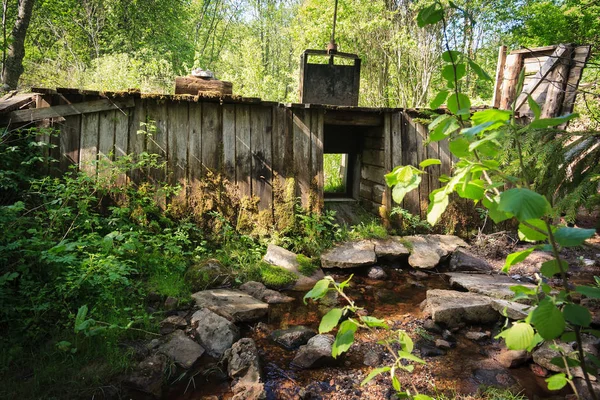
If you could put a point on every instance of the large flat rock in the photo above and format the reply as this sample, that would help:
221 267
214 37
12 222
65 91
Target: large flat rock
239 305
288 260
350 255
496 286
391 247
512 309
450 307
426 251
182 350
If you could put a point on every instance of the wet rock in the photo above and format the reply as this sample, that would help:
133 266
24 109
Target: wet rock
583 390
496 286
494 377
430 351
419 274
387 296
244 390
243 361
477 336
430 326
293 337
260 292
511 309
449 336
241 306
289 261
208 274
450 308
377 273
349 255
153 344
464 260
426 251
171 303
513 358
315 353
372 357
215 333
392 247
148 376
442 344
182 350
171 324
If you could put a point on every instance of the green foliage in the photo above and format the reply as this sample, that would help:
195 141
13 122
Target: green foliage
331 170
307 266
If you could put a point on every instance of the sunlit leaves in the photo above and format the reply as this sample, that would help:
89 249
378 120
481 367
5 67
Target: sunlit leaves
344 338
518 337
460 147
534 106
442 127
438 202
430 15
479 71
551 268
454 72
330 320
557 382
404 179
439 99
548 319
588 291
524 204
459 104
550 122
318 291
429 162
533 230
373 374
451 56
515 258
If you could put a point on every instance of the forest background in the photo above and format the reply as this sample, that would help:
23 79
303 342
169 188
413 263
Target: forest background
256 44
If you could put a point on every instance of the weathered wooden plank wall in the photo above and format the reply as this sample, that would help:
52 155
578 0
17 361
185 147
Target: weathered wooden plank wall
256 147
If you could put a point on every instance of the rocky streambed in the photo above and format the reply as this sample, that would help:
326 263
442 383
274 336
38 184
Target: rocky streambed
257 343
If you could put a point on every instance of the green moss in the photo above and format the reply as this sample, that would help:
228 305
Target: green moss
409 246
275 277
173 285
307 266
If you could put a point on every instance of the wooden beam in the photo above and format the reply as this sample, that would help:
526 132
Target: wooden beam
534 50
499 76
353 118
38 114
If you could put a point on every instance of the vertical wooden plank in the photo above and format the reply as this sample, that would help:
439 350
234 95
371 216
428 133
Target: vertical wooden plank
445 158
409 157
106 142
317 174
243 155
136 134
387 158
212 137
229 141
514 63
279 138
121 140
261 128
499 76
558 83
89 143
421 137
178 139
302 154
157 136
70 131
195 169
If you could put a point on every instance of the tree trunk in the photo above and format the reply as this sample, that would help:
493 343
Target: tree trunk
14 60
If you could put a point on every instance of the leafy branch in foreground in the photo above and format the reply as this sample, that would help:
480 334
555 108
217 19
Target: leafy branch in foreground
481 175
348 320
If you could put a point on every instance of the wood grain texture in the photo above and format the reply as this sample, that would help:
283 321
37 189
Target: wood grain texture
157 137
106 141
514 62
409 157
212 137
243 154
499 76
195 170
89 143
70 131
421 137
302 154
178 139
317 174
136 136
229 141
282 144
261 127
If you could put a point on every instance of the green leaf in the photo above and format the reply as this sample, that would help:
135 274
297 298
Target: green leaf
460 147
405 341
479 71
537 339
318 291
373 374
559 362
551 268
577 315
473 190
501 117
437 205
459 104
330 320
443 127
448 72
571 237
588 291
532 235
518 337
534 106
495 215
430 15
557 382
515 258
401 174
549 122
422 397
80 317
451 56
396 383
439 99
402 189
404 355
430 161
373 322
548 320
344 338
524 204
477 129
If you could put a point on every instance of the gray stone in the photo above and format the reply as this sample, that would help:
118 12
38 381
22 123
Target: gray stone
543 356
464 260
215 333
148 376
244 390
208 274
494 377
293 337
391 247
451 308
430 326
477 336
496 286
260 292
372 358
241 306
243 361
287 260
430 351
377 273
315 353
349 255
426 251
513 358
443 344
182 350
171 303
511 309
172 323
583 390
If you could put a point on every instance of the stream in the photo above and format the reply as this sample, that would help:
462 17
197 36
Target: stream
463 369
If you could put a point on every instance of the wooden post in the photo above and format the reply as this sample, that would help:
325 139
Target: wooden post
514 62
499 76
